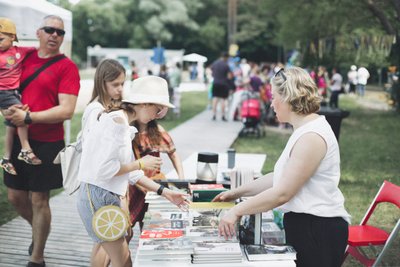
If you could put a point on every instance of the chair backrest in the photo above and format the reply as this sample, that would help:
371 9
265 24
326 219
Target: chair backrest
387 193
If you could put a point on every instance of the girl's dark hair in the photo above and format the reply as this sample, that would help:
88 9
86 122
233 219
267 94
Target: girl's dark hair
118 105
153 132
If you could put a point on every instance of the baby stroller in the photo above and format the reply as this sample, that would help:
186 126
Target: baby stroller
251 116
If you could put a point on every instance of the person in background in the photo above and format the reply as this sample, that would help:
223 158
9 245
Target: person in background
109 160
304 183
152 139
352 79
336 87
175 80
11 58
51 98
134 71
362 78
322 81
220 91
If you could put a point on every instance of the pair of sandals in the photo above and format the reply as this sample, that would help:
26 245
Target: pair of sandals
28 156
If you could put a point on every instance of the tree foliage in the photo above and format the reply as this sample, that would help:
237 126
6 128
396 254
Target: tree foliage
328 32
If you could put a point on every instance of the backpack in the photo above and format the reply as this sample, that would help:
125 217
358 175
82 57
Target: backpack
69 158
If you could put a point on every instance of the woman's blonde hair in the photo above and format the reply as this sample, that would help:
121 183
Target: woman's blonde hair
298 89
108 70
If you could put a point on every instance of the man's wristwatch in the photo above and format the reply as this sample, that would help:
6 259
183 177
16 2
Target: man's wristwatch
160 190
28 119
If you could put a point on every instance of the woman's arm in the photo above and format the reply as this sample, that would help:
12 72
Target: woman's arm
304 160
255 187
148 162
176 161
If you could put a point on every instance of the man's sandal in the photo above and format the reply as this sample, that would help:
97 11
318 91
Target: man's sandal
7 166
32 160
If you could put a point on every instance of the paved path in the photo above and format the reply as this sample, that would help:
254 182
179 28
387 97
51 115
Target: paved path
68 243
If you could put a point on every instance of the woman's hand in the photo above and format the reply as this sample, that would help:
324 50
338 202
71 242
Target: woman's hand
178 198
151 163
225 196
226 227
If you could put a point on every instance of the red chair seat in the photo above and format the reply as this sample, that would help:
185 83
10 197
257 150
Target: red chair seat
364 235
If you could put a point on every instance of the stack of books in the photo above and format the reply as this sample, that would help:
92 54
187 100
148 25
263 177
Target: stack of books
217 251
205 192
269 252
155 249
209 247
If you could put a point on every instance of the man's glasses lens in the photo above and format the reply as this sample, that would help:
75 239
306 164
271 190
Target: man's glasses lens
280 72
51 30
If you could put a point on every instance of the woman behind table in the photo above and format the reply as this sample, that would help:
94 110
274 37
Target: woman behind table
109 162
305 180
152 139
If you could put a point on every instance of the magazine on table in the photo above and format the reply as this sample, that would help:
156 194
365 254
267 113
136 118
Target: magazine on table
217 248
269 252
176 246
162 233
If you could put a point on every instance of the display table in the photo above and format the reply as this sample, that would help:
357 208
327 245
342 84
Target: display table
243 160
244 263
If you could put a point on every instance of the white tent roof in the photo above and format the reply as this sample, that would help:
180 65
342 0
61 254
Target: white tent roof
194 58
27 16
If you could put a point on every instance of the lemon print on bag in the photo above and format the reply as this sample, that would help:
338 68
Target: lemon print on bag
110 223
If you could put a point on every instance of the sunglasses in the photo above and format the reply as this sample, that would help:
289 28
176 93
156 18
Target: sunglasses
51 30
281 72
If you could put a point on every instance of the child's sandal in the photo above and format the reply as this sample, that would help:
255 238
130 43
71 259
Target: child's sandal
32 160
7 166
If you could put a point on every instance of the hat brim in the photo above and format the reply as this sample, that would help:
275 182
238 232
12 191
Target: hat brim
169 105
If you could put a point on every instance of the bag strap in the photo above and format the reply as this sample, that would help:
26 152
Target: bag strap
27 81
90 199
136 150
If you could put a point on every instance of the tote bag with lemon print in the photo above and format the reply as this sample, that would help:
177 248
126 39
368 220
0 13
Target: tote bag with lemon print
110 222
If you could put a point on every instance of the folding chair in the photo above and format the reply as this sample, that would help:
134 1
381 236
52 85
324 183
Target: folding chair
366 235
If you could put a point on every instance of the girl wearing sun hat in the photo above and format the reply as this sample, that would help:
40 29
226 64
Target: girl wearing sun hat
108 159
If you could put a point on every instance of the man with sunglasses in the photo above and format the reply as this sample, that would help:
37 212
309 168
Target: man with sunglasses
51 98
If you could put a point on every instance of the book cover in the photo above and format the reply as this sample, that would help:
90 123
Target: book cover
165 224
146 234
269 252
211 205
166 214
176 246
217 248
200 233
193 187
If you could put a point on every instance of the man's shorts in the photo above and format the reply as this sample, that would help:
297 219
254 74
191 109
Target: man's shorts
7 99
36 178
220 90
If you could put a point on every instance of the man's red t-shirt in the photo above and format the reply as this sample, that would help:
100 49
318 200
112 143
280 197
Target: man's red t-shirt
10 66
42 93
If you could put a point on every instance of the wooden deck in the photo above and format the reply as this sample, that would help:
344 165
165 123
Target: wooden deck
67 245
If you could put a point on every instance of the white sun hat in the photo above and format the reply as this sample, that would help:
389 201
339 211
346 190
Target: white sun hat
149 89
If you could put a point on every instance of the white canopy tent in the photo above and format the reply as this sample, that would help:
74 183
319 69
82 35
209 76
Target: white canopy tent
195 58
200 63
27 16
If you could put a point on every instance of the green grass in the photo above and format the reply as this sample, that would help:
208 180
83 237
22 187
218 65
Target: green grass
370 150
192 103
